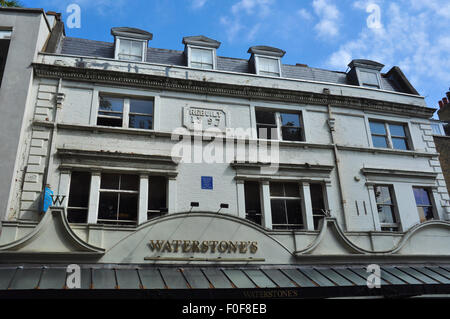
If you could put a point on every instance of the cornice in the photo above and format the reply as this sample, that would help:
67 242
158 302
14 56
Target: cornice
221 89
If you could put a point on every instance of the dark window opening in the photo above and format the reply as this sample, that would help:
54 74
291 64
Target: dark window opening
253 202
291 127
285 202
4 47
77 210
119 197
157 197
318 203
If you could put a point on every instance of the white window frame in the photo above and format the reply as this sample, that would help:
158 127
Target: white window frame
213 52
278 123
386 123
433 203
126 109
257 66
394 206
117 48
299 198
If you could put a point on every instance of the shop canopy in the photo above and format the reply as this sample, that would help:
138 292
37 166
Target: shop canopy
144 281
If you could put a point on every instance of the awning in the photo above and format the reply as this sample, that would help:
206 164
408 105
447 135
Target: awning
224 282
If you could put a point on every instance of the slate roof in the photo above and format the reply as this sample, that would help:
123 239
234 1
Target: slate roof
91 48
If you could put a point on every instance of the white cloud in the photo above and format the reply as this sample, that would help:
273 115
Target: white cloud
244 10
261 7
305 14
416 39
197 4
329 15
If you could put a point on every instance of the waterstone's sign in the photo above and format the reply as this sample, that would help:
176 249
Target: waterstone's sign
205 246
195 117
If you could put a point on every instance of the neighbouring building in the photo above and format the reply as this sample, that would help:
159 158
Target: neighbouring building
182 173
441 131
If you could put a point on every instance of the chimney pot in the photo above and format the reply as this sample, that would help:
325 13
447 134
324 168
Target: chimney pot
445 100
441 104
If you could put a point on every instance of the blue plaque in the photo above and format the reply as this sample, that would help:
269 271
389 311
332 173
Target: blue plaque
207 182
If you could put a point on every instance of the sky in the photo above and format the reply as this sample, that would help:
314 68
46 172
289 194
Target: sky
411 34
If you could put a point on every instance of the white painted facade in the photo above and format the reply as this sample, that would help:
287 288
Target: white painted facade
337 152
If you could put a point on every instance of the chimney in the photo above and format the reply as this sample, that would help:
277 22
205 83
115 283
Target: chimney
441 104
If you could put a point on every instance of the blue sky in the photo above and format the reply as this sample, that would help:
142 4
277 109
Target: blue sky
412 34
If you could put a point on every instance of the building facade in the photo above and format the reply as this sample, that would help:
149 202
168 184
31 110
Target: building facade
191 171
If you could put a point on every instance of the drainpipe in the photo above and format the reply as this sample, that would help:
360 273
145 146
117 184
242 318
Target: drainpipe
331 125
52 138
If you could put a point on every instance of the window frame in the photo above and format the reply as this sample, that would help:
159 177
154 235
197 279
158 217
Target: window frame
300 199
367 85
389 136
440 126
432 203
394 207
117 48
278 124
213 53
126 111
258 68
119 192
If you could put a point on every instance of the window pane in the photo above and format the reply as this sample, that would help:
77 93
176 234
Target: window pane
266 132
252 202
292 134
109 181
125 46
290 119
421 196
265 117
77 215
397 130
294 211
107 208
141 106
136 48
386 214
379 141
157 188
292 189
111 104
317 197
80 183
128 206
278 211
369 78
436 129
107 121
276 189
268 65
377 128
129 182
383 195
425 213
141 121
399 143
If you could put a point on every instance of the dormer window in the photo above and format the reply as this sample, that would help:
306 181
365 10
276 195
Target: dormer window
365 73
200 52
202 58
268 66
266 60
131 44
